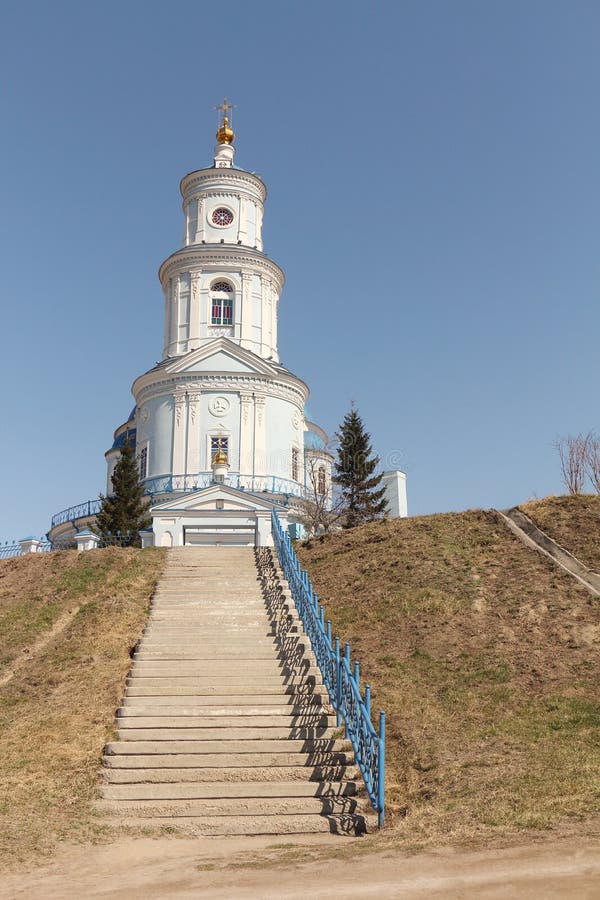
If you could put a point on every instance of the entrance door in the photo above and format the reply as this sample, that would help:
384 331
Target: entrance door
224 535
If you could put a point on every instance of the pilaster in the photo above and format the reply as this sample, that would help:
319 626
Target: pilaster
193 433
260 437
179 432
200 224
242 235
194 326
246 423
259 218
246 337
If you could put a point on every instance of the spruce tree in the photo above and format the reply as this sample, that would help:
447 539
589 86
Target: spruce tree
126 510
362 498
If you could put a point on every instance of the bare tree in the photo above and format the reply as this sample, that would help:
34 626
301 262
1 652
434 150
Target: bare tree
321 509
574 452
593 460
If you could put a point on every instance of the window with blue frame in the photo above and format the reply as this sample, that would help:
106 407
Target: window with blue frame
221 307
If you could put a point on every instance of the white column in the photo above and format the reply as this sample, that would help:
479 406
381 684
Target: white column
246 337
179 429
194 328
265 324
204 313
246 423
174 316
260 437
200 226
274 309
193 442
259 218
242 234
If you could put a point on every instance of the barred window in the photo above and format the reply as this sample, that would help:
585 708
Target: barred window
295 460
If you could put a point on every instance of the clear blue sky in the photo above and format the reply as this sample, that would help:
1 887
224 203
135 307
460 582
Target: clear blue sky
434 199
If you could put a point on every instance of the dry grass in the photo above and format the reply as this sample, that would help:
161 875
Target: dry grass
573 521
58 712
485 657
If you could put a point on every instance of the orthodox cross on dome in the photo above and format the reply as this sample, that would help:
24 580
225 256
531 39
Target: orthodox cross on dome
225 134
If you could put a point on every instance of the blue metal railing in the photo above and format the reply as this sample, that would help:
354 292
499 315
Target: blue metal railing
81 511
272 484
341 679
185 484
7 550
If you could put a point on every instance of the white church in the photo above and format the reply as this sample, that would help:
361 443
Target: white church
219 426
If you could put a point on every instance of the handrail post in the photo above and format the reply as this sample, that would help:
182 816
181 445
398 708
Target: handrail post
381 767
338 682
368 700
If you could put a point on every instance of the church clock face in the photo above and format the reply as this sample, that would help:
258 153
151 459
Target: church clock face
222 216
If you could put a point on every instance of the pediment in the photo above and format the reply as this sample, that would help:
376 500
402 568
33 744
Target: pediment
206 498
221 355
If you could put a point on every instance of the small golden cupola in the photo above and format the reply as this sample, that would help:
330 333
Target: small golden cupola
220 458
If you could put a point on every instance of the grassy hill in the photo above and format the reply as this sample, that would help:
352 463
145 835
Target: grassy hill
573 522
58 710
485 657
482 652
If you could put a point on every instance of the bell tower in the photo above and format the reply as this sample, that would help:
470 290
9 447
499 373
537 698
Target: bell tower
220 283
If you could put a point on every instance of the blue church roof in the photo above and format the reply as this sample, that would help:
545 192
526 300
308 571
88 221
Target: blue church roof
313 441
129 435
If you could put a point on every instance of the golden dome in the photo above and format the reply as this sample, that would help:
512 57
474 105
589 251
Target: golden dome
220 458
225 134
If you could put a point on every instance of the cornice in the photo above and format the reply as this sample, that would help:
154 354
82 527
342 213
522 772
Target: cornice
222 256
203 179
157 384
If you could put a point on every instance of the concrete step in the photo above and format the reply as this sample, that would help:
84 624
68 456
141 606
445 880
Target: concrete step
129 718
223 706
313 747
223 733
219 668
233 684
267 771
227 790
235 806
205 826
187 687
237 763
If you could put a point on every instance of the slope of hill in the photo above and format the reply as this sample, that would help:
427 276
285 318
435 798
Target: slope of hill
58 710
485 657
573 522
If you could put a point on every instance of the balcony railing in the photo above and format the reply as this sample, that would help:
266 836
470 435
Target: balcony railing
256 484
186 484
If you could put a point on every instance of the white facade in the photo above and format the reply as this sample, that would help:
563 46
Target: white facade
220 385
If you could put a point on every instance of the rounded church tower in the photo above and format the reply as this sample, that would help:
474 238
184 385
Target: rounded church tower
220 391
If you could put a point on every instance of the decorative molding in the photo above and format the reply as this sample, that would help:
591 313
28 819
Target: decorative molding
226 383
203 180
228 259
219 406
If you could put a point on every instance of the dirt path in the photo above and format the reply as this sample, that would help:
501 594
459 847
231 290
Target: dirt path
170 868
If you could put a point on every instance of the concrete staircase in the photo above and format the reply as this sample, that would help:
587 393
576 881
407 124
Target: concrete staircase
226 726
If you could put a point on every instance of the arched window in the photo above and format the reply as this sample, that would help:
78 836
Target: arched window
221 300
